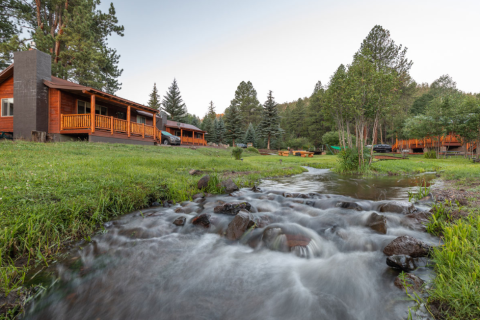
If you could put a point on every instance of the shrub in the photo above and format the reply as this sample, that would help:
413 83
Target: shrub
349 158
430 154
237 153
253 150
299 143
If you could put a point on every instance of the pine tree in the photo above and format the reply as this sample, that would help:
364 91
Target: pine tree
173 103
247 103
212 114
233 124
269 127
214 132
250 136
196 121
207 125
318 87
154 101
220 130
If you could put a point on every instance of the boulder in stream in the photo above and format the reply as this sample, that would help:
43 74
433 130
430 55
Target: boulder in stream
348 205
402 207
237 227
180 221
378 223
406 245
229 185
203 182
202 219
232 208
404 262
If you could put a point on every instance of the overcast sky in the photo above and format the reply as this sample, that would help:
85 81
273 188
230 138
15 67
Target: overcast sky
286 46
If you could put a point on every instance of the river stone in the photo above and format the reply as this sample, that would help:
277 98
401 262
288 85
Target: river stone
417 221
378 223
256 189
403 262
229 185
194 172
179 210
238 225
200 195
203 182
348 205
232 208
407 245
296 195
413 282
428 199
180 221
402 207
203 220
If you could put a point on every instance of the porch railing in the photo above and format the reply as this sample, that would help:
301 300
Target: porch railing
82 121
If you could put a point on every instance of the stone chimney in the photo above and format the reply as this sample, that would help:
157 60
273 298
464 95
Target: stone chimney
30 95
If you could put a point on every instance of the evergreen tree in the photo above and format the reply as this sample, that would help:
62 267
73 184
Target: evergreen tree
173 103
212 114
154 101
318 87
233 124
220 130
247 103
215 133
12 15
195 121
207 125
269 127
250 136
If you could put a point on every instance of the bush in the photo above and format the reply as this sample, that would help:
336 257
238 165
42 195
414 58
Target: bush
253 150
332 138
430 154
237 153
349 160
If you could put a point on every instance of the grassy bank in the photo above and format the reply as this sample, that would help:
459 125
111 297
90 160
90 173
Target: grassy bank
455 291
54 193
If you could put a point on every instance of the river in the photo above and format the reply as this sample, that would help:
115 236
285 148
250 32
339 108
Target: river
142 266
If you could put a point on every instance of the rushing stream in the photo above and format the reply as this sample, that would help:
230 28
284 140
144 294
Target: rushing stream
309 258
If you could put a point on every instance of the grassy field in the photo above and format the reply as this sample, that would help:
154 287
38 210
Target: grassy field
54 193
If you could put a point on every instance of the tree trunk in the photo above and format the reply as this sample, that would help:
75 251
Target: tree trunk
375 123
268 143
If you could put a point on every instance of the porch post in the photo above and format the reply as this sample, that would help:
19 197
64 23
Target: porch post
128 121
92 112
203 138
181 135
143 131
111 123
155 127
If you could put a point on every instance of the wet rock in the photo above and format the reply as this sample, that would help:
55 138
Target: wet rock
402 207
200 195
180 221
155 204
429 199
108 224
413 282
232 208
417 221
276 238
166 204
407 245
296 195
296 240
179 210
310 203
202 220
194 172
203 182
348 205
402 262
378 223
229 185
256 189
237 227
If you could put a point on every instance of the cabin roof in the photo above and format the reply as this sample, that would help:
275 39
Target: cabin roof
173 124
6 74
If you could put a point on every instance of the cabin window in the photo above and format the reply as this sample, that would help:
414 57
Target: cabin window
84 107
7 107
198 135
141 119
121 115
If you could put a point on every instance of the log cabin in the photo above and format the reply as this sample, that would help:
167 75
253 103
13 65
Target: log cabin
33 101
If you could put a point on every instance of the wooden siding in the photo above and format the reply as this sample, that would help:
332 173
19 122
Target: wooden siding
6 91
189 136
54 110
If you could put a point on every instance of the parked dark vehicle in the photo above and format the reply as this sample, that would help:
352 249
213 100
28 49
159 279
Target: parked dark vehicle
168 138
382 148
241 145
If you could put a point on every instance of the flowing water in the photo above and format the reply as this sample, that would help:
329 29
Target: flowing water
145 267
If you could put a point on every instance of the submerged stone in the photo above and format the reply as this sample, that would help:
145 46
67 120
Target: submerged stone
378 223
404 262
202 219
348 205
407 245
237 227
232 208
180 221
413 282
402 207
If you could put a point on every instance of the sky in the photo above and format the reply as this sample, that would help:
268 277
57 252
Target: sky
286 46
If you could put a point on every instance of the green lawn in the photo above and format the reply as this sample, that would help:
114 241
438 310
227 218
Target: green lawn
56 192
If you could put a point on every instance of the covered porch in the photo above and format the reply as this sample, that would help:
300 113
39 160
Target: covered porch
189 134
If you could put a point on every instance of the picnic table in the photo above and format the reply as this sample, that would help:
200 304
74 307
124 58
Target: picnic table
283 153
303 154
